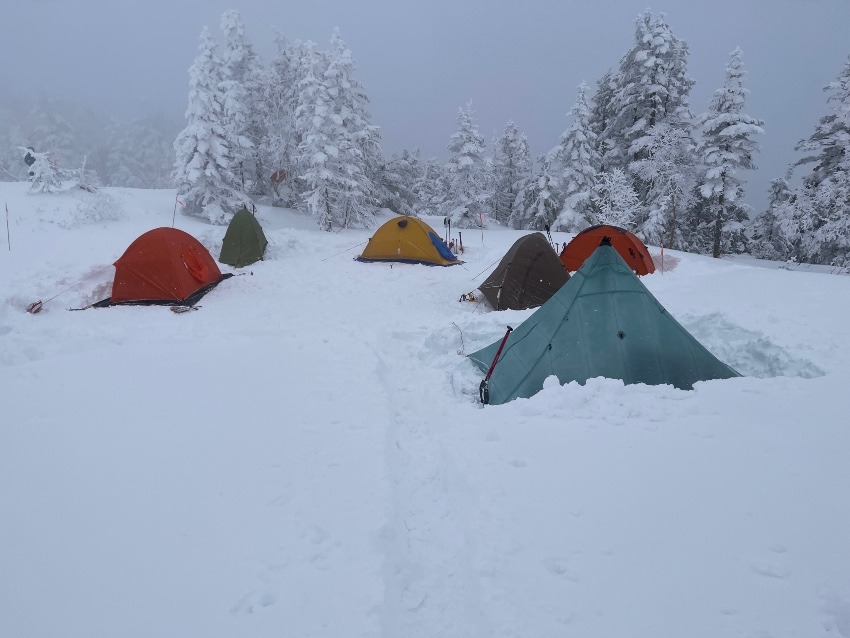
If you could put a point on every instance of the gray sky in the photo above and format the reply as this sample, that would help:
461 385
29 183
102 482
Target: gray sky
421 60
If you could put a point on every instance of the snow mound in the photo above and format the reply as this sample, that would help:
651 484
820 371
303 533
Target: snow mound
748 351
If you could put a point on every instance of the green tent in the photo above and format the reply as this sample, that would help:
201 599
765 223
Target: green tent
244 242
602 323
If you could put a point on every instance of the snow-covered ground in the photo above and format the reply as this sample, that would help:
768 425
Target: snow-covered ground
304 456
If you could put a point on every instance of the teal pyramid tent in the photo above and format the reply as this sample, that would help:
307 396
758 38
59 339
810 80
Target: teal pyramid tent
602 323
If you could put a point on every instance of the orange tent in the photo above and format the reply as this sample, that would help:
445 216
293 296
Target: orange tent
164 266
626 243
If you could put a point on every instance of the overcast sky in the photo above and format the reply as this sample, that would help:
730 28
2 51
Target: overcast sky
421 60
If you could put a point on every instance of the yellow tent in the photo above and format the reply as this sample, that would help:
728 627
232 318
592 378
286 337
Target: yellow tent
410 240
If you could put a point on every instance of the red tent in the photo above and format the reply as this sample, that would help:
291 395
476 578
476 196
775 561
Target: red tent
164 266
630 248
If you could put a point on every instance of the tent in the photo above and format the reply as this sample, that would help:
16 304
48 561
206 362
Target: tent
163 266
602 323
529 273
410 240
244 241
626 243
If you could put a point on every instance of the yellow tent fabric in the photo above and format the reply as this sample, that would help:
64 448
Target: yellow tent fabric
409 240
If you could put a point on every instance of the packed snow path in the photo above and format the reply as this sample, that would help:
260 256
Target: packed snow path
304 455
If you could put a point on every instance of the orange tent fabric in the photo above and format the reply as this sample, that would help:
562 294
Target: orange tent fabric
626 243
164 264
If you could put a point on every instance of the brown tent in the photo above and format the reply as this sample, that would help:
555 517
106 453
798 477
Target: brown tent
626 243
529 273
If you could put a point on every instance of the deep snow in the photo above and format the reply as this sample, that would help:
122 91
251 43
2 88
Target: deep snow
304 456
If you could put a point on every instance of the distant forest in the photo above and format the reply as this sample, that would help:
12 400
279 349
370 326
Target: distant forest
297 131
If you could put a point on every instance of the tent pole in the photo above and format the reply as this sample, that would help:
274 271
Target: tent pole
483 389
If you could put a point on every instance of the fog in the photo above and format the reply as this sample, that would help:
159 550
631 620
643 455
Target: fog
420 61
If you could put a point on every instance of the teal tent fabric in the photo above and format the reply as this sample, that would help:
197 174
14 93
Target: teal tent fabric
602 323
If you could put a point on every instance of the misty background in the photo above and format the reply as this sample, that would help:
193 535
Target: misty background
419 62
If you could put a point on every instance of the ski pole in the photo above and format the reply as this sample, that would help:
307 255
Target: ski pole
8 236
484 389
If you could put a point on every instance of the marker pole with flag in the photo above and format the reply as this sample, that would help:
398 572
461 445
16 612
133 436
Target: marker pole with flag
174 214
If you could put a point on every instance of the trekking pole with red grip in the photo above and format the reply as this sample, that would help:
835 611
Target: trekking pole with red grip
483 389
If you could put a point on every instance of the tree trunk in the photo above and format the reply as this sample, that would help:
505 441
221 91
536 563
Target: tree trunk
672 239
718 227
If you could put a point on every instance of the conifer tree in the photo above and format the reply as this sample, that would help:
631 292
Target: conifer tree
511 165
540 196
823 206
829 145
614 200
727 146
467 173
360 150
204 170
769 240
651 86
580 163
240 85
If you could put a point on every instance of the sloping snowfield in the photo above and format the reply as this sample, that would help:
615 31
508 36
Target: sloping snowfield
304 455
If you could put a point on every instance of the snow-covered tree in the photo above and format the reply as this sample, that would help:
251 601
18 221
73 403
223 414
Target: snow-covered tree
538 197
614 200
602 113
431 188
511 165
138 153
44 175
240 87
652 85
829 145
667 167
577 155
360 152
50 132
727 146
398 178
204 169
822 209
467 171
279 142
329 160
768 240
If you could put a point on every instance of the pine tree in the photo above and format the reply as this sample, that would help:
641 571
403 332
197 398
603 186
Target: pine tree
539 196
668 169
431 188
467 173
204 170
329 160
240 84
652 85
511 165
279 141
580 163
399 177
829 145
768 239
727 146
823 207
614 200
360 150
